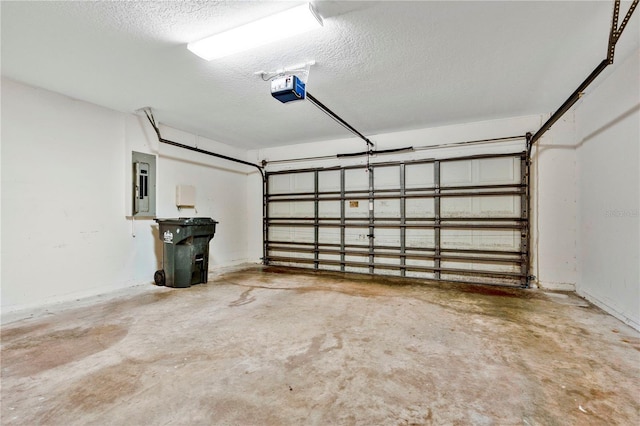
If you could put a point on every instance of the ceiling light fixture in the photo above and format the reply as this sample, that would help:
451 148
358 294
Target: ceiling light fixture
276 27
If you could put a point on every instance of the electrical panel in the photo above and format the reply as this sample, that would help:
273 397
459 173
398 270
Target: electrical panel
144 184
288 88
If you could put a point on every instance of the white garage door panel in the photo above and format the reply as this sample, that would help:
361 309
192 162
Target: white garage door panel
456 207
386 177
331 262
359 259
456 173
498 170
291 234
419 175
295 182
357 236
328 235
279 233
279 209
420 208
388 271
356 179
420 238
488 279
329 209
475 266
291 259
422 275
387 208
280 184
499 206
303 235
294 209
485 206
329 181
465 214
284 253
501 240
303 182
421 262
494 171
329 267
387 237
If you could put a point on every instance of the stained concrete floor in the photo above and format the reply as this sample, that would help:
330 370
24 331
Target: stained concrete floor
266 347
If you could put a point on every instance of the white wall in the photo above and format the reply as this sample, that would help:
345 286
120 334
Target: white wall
66 198
608 154
554 207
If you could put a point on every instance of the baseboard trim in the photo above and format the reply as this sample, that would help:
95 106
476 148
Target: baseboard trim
65 302
556 286
634 323
60 303
216 271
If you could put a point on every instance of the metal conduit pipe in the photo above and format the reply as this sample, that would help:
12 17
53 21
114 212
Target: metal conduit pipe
398 150
151 118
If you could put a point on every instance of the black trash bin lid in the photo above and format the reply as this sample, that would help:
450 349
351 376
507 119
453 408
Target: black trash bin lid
188 221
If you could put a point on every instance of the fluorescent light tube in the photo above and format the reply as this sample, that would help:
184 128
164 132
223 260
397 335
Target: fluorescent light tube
276 27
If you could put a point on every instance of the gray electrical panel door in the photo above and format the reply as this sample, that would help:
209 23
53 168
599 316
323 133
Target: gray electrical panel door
144 184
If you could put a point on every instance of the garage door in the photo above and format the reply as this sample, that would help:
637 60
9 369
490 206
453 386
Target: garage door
456 219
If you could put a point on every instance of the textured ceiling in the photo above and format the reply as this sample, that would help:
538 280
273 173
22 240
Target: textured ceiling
382 66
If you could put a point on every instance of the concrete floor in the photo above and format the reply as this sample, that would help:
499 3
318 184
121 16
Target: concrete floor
275 348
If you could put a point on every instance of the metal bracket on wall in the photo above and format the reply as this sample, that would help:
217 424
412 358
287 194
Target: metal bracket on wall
614 36
616 31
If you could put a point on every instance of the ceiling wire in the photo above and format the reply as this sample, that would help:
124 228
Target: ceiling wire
268 79
284 71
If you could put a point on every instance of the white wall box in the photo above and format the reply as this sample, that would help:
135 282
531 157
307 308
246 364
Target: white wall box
185 195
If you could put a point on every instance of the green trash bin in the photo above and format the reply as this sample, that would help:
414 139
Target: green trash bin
185 259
